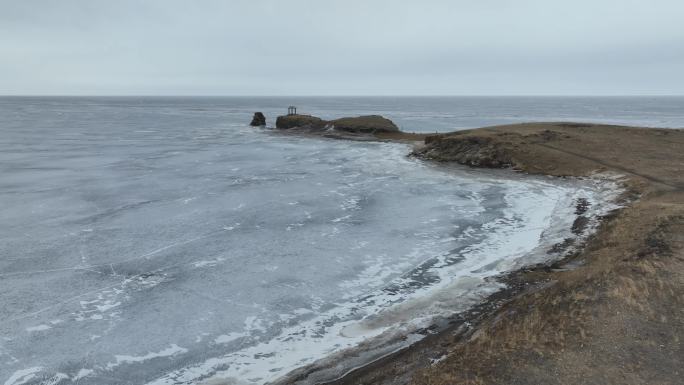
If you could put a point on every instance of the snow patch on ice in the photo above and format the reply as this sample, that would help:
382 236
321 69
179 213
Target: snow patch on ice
126 359
226 338
38 328
82 373
208 263
23 376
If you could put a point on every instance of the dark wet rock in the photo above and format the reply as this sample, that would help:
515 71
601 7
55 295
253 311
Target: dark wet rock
478 151
581 206
579 225
300 121
562 247
258 120
365 124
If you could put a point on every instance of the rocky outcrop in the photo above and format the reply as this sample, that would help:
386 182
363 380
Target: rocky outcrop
258 120
362 124
300 121
471 150
365 124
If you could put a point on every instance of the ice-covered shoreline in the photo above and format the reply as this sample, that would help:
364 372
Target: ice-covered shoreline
355 343
371 325
552 246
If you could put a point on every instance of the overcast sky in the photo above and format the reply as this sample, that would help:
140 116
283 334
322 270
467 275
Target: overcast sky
342 47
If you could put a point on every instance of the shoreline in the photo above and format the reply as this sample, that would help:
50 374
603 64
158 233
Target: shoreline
529 148
490 294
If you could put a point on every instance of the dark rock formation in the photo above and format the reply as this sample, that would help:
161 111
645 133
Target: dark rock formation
258 120
365 124
479 151
361 124
300 121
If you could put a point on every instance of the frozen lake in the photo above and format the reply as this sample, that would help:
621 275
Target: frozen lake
163 241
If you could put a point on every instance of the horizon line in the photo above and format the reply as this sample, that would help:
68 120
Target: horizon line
336 96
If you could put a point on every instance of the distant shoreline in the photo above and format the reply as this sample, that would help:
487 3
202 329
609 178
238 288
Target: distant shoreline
652 163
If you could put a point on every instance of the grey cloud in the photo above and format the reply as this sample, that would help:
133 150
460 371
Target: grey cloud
341 47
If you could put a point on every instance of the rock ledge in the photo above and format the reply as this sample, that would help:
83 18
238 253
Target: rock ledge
362 124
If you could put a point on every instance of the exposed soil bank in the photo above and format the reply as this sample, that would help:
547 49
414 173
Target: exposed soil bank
611 314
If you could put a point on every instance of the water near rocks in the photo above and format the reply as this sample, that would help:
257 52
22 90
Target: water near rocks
165 241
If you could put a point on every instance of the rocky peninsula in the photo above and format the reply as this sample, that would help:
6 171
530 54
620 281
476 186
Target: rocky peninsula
610 313
370 124
369 127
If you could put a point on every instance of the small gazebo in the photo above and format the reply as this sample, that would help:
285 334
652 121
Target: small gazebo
292 110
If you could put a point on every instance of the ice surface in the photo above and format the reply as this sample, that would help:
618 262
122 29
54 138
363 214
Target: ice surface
23 376
163 241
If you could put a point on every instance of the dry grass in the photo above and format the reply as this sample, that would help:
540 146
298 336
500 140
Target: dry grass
617 320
